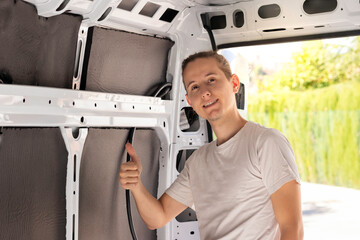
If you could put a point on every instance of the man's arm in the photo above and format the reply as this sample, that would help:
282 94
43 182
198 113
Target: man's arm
287 207
155 213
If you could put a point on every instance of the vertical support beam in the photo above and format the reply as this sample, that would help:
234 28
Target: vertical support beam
74 145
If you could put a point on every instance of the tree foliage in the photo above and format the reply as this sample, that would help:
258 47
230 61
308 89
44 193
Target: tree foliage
318 64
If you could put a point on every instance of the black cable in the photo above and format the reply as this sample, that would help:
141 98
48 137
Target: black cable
206 24
211 36
160 92
130 139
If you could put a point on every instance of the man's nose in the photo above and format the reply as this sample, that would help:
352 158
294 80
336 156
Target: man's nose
205 93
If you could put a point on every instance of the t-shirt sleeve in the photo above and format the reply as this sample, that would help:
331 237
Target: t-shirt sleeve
180 189
276 160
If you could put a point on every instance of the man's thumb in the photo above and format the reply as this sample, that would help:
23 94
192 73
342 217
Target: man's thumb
130 149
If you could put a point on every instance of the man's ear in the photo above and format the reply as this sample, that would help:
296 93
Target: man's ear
188 100
235 81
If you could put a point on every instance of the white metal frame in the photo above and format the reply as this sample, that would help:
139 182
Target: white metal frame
74 147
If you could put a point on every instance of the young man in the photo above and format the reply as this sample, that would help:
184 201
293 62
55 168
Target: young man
244 185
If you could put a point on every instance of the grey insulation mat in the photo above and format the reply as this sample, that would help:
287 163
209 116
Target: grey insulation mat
33 164
35 50
125 63
102 213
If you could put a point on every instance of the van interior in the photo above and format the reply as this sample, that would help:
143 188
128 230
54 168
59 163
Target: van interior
80 78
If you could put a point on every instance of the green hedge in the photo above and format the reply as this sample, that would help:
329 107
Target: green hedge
323 127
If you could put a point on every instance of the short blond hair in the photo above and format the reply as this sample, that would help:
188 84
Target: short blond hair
220 59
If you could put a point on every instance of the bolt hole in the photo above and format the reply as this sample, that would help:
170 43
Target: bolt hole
150 108
114 105
23 100
74 103
95 105
74 192
82 119
164 124
49 101
133 107
192 232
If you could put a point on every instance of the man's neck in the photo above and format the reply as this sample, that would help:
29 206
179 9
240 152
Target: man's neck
227 127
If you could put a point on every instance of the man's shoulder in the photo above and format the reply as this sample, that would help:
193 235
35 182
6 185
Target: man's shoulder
255 129
261 133
201 152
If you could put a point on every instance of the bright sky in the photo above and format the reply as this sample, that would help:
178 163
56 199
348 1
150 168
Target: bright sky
273 55
269 53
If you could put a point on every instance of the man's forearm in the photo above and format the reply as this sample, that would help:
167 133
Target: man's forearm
150 209
292 233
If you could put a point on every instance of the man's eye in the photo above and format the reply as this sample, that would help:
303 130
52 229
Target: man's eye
194 87
211 80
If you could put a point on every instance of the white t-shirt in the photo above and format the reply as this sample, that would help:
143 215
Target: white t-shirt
230 185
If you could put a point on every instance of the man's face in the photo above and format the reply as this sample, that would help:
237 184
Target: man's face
209 92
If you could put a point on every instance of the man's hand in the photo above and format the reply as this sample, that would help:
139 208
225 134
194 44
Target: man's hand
155 213
130 171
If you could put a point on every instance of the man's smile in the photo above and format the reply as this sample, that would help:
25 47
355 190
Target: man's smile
210 103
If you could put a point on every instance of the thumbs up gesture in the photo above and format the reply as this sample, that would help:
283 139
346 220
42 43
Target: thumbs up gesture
130 171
